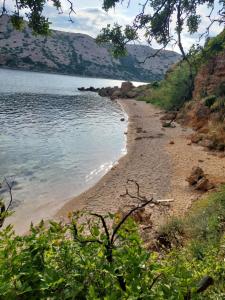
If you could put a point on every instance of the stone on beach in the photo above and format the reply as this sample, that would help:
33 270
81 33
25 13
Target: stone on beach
199 180
196 174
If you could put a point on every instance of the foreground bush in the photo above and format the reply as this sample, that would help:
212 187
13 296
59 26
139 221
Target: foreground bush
93 261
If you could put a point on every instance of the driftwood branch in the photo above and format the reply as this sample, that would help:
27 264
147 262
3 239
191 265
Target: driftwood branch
138 196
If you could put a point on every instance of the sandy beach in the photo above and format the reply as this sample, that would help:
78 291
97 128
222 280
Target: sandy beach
146 162
159 159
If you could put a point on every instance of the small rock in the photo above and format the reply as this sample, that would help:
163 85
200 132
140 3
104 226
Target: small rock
166 124
202 184
194 197
169 116
142 217
207 143
115 94
131 94
189 143
199 180
196 174
195 138
171 142
81 89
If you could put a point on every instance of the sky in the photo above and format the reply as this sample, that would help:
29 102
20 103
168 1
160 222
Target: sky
90 18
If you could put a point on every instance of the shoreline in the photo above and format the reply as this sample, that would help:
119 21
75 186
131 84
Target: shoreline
66 74
144 131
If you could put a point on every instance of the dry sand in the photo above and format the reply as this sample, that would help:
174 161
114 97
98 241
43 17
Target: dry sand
159 166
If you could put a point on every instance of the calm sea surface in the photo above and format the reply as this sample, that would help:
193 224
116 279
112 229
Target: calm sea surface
55 142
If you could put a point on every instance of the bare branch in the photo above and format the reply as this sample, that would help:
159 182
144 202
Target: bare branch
156 53
103 224
86 241
10 194
154 281
71 10
126 216
138 197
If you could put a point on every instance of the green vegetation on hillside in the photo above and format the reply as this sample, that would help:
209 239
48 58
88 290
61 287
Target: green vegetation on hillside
172 92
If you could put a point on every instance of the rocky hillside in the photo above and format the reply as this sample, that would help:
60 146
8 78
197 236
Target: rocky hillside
200 105
74 53
211 77
206 112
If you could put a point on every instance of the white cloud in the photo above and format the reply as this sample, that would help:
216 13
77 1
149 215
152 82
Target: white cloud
88 20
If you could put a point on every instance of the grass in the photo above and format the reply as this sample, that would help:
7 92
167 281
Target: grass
199 241
205 222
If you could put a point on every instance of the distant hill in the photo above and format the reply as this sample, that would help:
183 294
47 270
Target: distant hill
77 54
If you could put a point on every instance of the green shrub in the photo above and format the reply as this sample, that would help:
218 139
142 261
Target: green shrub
174 90
213 46
72 262
177 87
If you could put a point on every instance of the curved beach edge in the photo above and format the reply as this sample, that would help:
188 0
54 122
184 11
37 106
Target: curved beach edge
145 147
